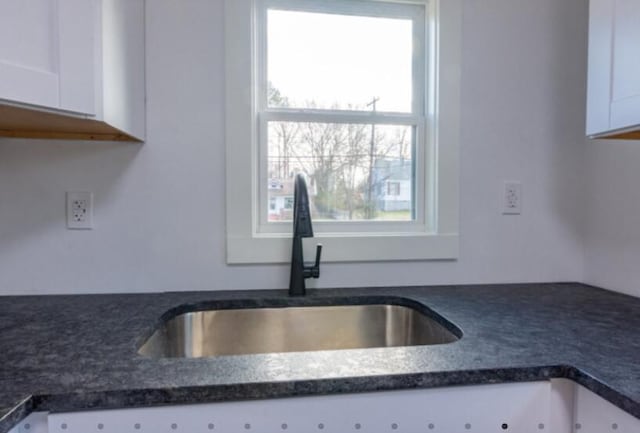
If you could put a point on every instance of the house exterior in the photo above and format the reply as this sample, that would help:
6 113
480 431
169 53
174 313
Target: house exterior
393 184
280 193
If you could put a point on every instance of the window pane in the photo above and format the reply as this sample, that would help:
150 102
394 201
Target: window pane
354 171
331 61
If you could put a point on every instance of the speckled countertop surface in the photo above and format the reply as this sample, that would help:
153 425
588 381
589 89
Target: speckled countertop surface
64 353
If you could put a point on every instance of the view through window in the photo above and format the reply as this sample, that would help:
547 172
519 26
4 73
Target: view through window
340 106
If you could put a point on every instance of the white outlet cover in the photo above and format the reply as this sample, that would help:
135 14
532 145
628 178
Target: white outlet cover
512 198
79 210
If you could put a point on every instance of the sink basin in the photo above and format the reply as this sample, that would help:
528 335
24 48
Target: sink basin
241 331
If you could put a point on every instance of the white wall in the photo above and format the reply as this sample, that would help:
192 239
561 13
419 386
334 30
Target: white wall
613 211
159 217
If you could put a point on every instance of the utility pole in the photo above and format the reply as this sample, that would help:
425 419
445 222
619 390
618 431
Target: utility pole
369 204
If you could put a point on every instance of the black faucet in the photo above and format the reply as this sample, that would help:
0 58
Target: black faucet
301 229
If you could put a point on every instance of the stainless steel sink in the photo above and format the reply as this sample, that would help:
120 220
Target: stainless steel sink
294 329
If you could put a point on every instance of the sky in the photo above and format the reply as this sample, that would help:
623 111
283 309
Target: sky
340 59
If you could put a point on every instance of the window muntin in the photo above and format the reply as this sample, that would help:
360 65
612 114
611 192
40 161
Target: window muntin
347 143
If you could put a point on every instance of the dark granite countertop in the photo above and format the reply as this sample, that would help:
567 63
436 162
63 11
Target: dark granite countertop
65 353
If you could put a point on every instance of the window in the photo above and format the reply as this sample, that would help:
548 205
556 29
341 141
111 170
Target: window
393 188
340 98
353 94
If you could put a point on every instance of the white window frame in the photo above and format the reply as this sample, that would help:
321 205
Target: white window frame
423 198
434 234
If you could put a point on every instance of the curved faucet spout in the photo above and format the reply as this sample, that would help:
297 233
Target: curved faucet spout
302 228
301 213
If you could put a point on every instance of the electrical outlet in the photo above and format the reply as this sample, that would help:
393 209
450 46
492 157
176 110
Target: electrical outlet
512 198
79 210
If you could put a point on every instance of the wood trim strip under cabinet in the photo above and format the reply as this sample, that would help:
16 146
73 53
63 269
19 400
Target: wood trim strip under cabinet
21 122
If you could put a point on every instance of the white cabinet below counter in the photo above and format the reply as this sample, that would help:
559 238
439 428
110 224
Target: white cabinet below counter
555 406
72 69
613 95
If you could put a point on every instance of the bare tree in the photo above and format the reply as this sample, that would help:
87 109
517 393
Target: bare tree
354 158
285 133
340 160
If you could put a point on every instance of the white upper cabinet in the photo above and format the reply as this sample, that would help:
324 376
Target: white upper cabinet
72 69
613 106
47 53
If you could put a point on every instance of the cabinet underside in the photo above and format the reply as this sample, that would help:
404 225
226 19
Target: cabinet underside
28 123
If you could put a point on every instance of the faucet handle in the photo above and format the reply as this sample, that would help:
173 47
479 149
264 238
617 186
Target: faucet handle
314 271
318 255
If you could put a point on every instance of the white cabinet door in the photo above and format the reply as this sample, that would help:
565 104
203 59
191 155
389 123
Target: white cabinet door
599 66
47 50
593 414
557 406
614 66
77 49
28 44
521 408
625 88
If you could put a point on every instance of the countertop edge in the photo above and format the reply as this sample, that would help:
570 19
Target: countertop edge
116 399
10 416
